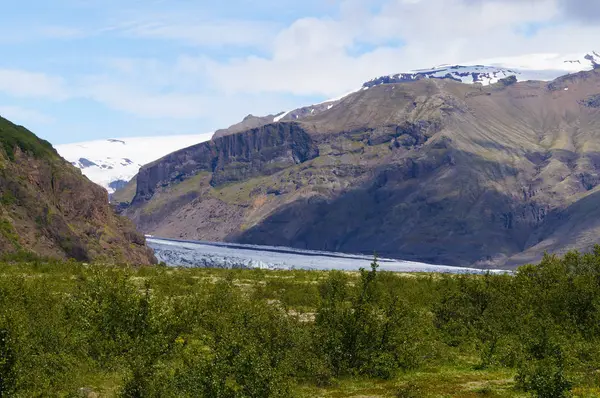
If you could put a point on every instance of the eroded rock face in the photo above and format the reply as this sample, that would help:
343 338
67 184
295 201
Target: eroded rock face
262 151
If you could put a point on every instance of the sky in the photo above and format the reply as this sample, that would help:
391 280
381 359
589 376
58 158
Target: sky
77 70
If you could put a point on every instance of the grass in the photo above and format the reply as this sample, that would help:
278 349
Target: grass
460 381
12 136
127 193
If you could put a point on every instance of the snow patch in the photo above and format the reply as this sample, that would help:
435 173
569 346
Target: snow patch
278 118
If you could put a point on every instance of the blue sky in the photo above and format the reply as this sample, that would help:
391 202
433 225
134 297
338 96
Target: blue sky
75 70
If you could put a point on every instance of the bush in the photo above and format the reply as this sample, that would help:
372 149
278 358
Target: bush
368 329
544 379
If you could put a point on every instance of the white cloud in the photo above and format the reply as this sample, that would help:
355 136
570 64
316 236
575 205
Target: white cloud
146 104
24 116
21 83
323 56
315 56
200 32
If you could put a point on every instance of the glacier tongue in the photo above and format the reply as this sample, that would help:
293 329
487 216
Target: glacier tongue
224 255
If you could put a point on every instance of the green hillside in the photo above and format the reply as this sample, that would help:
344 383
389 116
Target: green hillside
12 136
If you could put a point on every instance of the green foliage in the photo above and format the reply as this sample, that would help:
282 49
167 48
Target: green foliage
165 332
247 351
12 136
8 232
544 378
368 330
7 364
7 198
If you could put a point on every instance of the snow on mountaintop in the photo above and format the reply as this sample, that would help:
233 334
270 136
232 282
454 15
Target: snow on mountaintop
114 162
527 67
542 67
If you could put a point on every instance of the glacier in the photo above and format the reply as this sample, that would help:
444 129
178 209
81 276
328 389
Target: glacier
197 254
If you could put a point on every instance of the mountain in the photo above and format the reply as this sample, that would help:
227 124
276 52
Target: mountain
540 67
114 162
47 207
429 170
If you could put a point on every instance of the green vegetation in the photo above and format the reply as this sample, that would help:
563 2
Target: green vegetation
70 329
127 193
175 192
12 136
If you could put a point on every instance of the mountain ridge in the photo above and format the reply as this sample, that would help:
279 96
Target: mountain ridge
540 67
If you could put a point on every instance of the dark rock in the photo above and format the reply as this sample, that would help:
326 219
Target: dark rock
86 163
261 151
592 101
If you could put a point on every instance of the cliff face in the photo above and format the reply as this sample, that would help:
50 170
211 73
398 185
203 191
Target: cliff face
47 207
262 151
431 170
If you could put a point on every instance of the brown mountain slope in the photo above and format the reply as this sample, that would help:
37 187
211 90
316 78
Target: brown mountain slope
432 170
47 207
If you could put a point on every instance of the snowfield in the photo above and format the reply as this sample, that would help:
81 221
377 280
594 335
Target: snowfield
112 163
542 67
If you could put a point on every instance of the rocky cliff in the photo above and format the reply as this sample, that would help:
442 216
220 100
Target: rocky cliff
48 208
429 170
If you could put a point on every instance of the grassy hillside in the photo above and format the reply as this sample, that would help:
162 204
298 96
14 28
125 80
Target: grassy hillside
68 329
12 136
48 208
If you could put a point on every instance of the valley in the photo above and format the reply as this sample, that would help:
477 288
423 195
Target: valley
431 170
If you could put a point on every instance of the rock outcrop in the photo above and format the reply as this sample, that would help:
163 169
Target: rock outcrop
262 151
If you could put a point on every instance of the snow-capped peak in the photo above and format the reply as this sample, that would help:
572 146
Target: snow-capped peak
114 162
542 66
528 67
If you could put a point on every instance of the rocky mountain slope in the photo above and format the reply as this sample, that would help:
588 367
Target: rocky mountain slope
425 169
431 170
113 163
47 207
